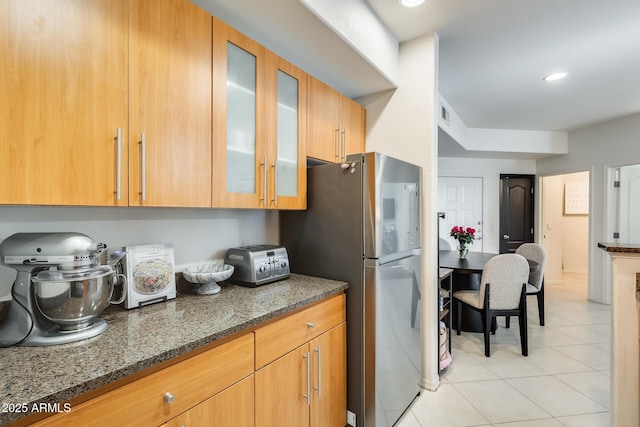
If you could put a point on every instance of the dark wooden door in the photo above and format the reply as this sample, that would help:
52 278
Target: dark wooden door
516 211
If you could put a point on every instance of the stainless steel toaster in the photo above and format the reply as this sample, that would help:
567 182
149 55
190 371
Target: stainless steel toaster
258 264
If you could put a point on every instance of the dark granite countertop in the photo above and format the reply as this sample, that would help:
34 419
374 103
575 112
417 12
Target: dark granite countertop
629 248
141 338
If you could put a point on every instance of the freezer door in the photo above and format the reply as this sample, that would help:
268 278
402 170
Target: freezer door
391 205
391 297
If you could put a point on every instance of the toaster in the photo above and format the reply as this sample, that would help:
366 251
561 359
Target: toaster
257 264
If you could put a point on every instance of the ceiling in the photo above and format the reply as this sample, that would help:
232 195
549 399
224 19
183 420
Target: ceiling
493 55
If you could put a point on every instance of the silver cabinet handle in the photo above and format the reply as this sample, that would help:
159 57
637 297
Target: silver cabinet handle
505 237
119 164
308 395
264 181
275 184
337 137
143 167
317 350
311 325
168 398
344 144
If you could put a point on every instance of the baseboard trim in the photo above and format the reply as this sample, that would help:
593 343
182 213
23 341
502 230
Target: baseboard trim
567 270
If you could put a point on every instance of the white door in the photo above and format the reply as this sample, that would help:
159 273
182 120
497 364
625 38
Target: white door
460 198
629 204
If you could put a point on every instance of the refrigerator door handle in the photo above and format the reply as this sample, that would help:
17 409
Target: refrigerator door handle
398 256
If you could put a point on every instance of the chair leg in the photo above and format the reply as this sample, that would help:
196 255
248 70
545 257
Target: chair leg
486 320
541 304
507 322
524 338
494 325
486 317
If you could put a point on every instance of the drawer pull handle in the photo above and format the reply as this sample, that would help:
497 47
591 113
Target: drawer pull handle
169 398
311 325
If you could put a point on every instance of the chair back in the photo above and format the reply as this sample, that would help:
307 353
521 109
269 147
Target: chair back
506 274
534 252
443 244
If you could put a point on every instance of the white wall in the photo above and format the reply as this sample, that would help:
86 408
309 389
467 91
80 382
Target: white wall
489 170
594 149
402 123
575 233
551 233
197 234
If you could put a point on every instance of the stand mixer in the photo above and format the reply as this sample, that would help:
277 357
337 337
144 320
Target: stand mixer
60 289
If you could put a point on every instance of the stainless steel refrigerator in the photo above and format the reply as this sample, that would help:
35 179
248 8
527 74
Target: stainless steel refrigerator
362 225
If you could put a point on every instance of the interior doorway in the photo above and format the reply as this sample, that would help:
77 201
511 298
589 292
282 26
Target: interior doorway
460 198
565 225
516 211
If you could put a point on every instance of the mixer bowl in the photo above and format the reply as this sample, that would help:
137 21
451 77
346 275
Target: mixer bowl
73 299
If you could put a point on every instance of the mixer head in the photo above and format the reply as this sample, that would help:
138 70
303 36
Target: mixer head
68 250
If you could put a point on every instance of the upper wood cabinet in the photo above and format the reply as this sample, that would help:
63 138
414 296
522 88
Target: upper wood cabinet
170 103
108 103
259 122
286 130
239 154
335 125
64 102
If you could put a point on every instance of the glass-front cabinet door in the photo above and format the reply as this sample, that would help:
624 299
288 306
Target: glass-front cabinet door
259 125
287 150
239 154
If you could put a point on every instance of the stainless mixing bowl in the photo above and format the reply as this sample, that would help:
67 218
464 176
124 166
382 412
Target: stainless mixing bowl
73 299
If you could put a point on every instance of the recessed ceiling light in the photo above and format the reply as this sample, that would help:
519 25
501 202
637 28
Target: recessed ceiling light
554 76
411 3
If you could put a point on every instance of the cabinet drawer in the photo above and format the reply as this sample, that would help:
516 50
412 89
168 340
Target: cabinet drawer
282 336
141 403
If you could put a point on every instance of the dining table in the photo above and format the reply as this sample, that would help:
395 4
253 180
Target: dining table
466 275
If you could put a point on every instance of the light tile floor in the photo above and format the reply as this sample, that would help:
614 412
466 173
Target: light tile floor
563 382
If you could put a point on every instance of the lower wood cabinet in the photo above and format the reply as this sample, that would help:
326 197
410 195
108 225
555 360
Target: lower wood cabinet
307 385
167 393
246 382
310 383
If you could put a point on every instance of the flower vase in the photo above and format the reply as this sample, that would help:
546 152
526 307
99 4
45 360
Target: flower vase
463 250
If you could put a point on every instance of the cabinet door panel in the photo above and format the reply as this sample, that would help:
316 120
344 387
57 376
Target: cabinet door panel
170 57
287 154
239 156
281 387
329 378
352 119
323 126
64 78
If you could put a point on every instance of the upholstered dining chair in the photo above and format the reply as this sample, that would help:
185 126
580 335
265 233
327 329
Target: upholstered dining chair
535 285
503 292
443 244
